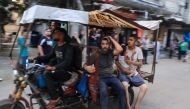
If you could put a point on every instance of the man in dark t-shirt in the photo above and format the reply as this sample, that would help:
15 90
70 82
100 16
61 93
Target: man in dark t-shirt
60 63
106 73
45 45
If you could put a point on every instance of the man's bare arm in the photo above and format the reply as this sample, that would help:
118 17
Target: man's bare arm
118 48
40 50
123 69
138 64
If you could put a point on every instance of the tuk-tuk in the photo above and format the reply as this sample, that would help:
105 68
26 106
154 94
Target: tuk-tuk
103 19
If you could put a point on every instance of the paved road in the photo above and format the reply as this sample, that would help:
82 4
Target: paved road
169 91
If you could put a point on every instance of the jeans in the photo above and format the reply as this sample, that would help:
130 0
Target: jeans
117 86
52 78
145 55
182 54
23 60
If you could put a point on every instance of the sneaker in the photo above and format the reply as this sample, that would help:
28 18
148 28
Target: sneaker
53 103
1 79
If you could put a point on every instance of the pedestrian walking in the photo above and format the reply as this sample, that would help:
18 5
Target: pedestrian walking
145 43
183 50
173 47
23 45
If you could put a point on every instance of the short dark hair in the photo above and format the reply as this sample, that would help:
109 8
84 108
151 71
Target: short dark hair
25 30
135 37
61 30
65 34
106 39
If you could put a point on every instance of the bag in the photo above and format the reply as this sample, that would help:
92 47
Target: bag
83 85
41 81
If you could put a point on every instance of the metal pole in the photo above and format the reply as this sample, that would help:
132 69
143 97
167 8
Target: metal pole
67 27
10 55
155 53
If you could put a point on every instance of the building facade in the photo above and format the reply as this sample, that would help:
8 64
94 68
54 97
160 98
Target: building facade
174 13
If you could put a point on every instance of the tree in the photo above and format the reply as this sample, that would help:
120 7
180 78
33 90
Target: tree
4 3
4 14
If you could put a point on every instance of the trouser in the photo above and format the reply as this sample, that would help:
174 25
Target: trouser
182 54
117 86
52 78
145 55
23 60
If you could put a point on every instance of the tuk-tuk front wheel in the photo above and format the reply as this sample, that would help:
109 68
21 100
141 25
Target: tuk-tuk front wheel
7 104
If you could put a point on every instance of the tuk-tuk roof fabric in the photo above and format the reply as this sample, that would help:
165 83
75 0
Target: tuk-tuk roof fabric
53 13
106 18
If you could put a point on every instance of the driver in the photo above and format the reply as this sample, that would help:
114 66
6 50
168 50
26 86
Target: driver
60 62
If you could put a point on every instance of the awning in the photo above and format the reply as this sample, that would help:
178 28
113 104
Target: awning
53 13
152 25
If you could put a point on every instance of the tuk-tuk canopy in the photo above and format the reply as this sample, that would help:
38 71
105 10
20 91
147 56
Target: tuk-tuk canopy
152 25
106 18
53 13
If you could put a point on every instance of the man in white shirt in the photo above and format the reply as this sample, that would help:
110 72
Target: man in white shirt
145 43
128 64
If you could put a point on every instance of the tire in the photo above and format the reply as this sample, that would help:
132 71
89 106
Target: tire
131 95
7 104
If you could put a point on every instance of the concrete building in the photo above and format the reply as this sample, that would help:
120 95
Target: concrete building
174 13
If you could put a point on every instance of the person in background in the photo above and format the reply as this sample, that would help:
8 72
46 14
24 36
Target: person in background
23 45
157 49
173 47
122 37
139 42
46 43
54 26
93 38
183 50
145 43
128 63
